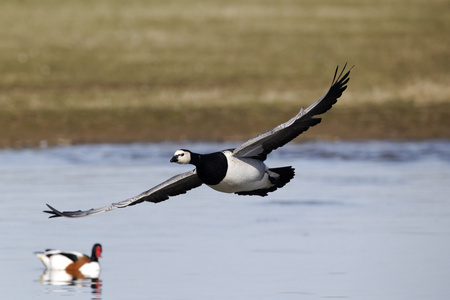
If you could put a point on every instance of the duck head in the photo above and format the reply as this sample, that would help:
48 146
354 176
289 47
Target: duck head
96 252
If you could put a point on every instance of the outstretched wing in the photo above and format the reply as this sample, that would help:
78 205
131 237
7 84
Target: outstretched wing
176 185
261 145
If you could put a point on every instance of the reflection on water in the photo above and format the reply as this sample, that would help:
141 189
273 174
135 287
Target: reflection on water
70 279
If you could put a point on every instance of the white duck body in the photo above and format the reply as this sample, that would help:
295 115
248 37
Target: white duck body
56 259
74 263
243 174
91 270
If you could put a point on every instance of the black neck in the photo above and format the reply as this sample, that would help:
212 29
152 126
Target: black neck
94 253
195 159
211 168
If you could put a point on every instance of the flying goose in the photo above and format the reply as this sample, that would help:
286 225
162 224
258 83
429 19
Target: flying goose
241 170
74 263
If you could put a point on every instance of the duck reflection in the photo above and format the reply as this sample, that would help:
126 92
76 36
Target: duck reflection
71 278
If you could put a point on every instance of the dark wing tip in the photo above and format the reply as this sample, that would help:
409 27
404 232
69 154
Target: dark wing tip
339 83
342 80
338 86
54 212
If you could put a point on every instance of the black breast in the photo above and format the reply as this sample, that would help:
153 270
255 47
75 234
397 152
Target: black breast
212 168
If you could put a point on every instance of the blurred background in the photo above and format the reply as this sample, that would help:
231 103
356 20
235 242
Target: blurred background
122 71
96 95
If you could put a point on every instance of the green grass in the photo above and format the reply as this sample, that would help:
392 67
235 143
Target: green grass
95 71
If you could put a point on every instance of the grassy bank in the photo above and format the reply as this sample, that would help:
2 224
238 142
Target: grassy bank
390 121
99 71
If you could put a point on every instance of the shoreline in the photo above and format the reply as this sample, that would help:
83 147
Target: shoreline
389 121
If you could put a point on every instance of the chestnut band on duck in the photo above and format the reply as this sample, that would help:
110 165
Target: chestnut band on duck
242 170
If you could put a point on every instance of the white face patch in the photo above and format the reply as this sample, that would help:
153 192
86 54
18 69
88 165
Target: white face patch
183 156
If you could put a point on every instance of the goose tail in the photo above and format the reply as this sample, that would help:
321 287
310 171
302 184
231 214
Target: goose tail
280 176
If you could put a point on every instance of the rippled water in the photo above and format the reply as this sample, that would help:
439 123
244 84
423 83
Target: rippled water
362 220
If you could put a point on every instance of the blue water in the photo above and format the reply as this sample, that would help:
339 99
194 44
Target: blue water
361 220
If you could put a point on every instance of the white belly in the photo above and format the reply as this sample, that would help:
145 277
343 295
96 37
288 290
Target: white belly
91 270
243 174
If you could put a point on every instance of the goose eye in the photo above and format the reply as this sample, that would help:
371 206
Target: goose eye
182 154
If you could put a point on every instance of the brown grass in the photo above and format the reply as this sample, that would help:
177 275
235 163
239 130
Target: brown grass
389 121
121 71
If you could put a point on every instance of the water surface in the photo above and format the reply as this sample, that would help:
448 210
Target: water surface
363 220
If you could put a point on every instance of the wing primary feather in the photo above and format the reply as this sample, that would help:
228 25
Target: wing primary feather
342 71
176 185
335 73
54 212
78 213
261 145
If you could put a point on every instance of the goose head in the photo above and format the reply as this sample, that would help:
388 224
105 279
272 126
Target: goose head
181 157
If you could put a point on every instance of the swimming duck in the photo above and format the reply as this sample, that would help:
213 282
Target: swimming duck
241 170
74 263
